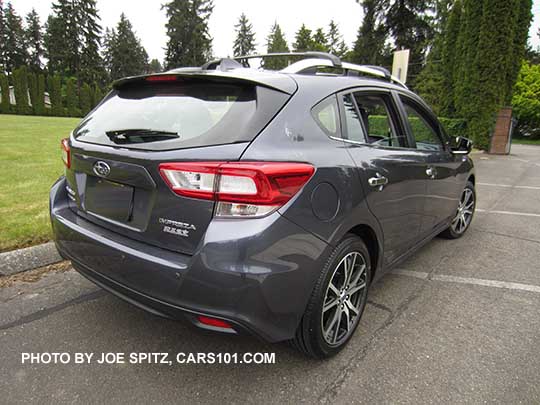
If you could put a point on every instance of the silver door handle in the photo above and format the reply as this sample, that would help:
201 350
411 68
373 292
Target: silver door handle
378 181
431 172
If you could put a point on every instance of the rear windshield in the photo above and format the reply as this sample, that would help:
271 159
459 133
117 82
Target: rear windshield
185 114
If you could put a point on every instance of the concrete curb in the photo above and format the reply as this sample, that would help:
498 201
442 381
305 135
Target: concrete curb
29 258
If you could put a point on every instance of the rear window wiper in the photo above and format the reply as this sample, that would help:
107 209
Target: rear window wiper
124 136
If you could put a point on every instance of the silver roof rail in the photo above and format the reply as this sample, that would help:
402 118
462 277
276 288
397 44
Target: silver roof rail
333 59
308 65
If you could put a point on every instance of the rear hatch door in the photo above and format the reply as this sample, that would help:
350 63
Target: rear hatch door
114 178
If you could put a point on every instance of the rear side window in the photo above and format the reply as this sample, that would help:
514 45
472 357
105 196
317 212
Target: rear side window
326 115
183 114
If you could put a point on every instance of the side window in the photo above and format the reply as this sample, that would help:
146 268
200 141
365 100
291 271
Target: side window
377 121
425 135
352 120
326 115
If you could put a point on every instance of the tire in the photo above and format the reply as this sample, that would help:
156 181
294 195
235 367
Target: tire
467 205
309 338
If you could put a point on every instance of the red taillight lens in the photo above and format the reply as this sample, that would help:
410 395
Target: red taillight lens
242 189
218 323
66 152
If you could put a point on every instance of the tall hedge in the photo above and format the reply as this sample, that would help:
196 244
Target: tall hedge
33 91
5 106
85 98
72 100
40 101
20 84
54 83
97 95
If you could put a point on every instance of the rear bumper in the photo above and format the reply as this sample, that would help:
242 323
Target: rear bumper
257 274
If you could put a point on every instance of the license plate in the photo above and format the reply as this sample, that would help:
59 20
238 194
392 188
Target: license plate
108 199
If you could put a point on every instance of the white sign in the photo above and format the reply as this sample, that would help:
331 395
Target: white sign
401 64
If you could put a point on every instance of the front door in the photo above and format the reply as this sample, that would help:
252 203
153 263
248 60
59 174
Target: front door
443 189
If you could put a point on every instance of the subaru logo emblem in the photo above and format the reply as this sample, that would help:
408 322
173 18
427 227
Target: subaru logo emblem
102 169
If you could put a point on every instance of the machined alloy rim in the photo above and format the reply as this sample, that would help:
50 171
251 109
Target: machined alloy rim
465 212
343 299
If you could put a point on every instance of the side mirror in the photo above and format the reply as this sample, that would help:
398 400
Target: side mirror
461 145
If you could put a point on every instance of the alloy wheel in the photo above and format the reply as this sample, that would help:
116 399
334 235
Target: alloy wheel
465 212
343 299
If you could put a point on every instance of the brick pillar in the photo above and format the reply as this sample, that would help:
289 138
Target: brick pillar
501 134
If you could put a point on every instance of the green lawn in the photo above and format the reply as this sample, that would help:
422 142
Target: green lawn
526 141
30 163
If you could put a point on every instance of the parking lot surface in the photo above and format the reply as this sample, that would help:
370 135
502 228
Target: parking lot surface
457 322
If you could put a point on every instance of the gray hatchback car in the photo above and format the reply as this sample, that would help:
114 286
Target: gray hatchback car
250 201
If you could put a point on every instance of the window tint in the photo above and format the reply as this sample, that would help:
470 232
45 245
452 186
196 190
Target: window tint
326 115
352 120
187 113
377 122
424 134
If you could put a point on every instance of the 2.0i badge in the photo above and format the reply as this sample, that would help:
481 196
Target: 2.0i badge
176 227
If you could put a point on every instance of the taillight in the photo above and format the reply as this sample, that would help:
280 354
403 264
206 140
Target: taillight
66 152
242 189
162 78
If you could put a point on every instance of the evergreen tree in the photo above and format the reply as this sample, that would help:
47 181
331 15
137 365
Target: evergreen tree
369 47
14 47
154 66
52 42
336 44
522 23
449 56
67 36
72 39
189 41
124 53
320 42
54 83
85 99
244 44
3 39
409 23
92 68
5 106
303 40
502 22
34 40
465 73
432 83
72 100
276 43
20 84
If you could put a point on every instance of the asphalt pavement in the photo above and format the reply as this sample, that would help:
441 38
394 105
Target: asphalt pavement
457 322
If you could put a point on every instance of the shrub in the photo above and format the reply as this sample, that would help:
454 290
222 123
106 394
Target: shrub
526 101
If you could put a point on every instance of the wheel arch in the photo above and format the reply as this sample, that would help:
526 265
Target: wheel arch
369 236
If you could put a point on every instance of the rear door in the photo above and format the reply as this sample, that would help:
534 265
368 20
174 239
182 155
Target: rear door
391 173
443 189
114 180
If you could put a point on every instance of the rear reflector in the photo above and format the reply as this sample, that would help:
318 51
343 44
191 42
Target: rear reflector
66 152
218 323
242 189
